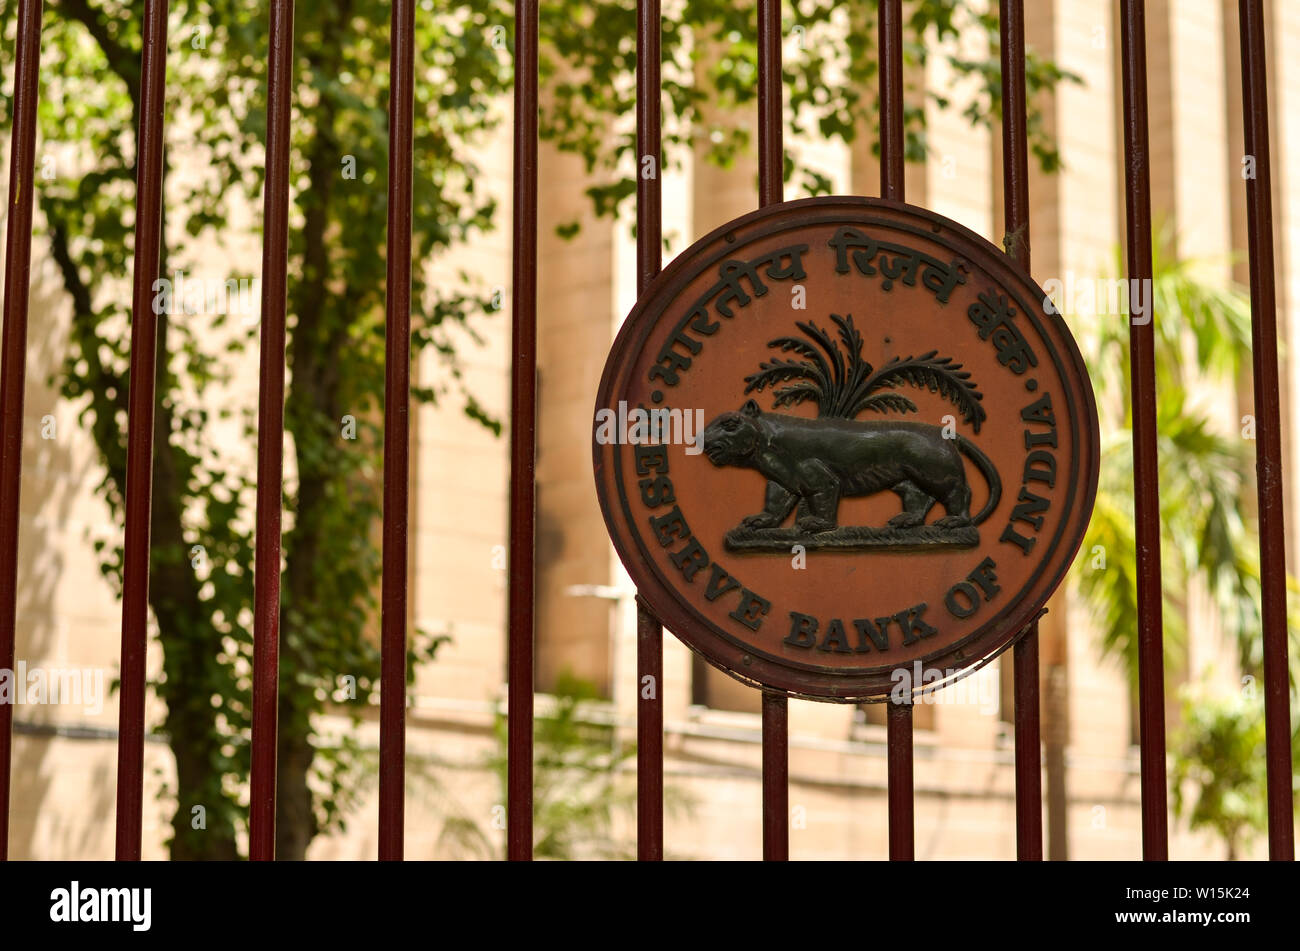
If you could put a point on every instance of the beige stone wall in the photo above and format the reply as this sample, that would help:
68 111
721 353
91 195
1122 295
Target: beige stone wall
64 784
575 288
459 480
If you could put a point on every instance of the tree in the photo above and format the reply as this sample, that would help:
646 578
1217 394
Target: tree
1220 755
589 54
1201 328
201 557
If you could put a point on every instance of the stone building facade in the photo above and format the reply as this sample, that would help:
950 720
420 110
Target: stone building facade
64 767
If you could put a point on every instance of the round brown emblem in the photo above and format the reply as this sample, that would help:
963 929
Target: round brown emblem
842 446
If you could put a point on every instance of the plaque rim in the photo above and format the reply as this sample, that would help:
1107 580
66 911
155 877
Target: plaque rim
970 652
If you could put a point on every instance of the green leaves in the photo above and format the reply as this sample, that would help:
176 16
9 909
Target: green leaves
1218 757
580 784
710 72
216 119
216 113
1201 331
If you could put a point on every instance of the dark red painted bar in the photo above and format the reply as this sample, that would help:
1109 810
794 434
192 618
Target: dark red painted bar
771 129
270 437
1268 462
649 737
1029 749
890 47
1015 176
13 363
776 778
523 441
397 435
649 124
898 737
771 176
1015 147
649 258
139 444
1146 494
899 731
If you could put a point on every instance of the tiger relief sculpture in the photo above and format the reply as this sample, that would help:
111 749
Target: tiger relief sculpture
812 464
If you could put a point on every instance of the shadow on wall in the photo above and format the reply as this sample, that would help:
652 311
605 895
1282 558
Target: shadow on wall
53 481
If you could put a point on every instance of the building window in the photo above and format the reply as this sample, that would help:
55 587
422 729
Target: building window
1007 689
877 714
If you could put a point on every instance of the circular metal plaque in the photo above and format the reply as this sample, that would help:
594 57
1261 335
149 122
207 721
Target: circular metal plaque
843 449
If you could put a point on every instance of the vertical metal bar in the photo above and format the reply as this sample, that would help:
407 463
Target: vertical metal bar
1268 463
776 778
523 439
397 435
771 178
13 363
1015 174
1029 768
139 449
771 129
270 436
899 728
649 234
890 26
898 738
649 737
1151 686
1015 148
649 121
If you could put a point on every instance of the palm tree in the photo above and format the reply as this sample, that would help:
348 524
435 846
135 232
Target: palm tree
843 384
1202 340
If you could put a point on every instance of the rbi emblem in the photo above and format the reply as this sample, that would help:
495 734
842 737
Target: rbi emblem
839 439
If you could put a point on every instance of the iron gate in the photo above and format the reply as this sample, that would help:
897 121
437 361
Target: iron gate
523 430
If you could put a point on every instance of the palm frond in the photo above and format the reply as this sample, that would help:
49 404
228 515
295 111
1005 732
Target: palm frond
801 347
777 371
887 402
816 369
843 384
849 334
823 340
858 368
795 394
929 371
